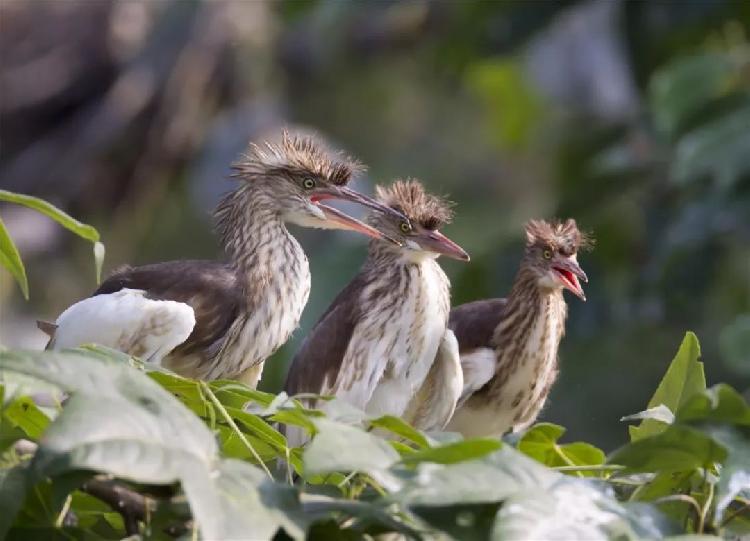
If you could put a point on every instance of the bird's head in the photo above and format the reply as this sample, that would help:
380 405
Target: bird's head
299 174
551 253
424 214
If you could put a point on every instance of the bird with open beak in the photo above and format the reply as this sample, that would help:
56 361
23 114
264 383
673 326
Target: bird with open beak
509 346
375 344
211 319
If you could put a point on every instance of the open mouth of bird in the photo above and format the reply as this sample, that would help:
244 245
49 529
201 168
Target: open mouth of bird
570 281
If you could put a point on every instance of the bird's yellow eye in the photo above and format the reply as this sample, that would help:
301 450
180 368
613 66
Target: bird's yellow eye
405 227
547 254
308 183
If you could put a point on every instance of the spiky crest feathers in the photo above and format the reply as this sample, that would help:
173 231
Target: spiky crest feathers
297 155
558 234
409 197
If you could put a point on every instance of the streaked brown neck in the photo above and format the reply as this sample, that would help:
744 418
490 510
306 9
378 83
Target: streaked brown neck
255 238
527 302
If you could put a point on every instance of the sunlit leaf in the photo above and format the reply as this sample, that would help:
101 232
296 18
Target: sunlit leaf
540 443
677 448
364 452
399 427
683 379
68 222
451 453
720 404
11 260
24 414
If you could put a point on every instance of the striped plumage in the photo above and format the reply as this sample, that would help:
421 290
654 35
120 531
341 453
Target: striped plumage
508 347
243 309
375 344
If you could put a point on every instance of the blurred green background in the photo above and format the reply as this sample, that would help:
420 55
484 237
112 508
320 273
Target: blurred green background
632 117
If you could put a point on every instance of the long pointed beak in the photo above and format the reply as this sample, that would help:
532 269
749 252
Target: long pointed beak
343 221
569 271
347 194
436 242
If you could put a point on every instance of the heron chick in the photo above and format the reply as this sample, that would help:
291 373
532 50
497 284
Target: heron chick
509 346
211 319
374 346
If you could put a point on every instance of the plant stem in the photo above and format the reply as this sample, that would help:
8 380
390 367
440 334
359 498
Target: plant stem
706 507
681 498
228 418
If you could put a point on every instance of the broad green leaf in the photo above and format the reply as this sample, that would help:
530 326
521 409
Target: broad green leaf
735 474
683 379
233 447
571 509
259 428
11 260
24 414
13 487
492 478
720 404
398 426
237 501
470 522
678 448
238 395
342 448
540 443
68 222
452 453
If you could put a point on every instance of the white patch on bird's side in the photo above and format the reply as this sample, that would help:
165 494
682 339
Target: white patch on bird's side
478 368
394 345
127 321
446 380
534 372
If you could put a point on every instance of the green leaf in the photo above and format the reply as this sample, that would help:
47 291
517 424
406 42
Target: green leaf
398 426
24 414
540 443
492 478
364 452
452 453
683 379
570 510
720 404
11 260
68 222
237 501
735 474
677 448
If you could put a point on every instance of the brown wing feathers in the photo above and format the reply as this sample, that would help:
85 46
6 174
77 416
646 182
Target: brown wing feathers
210 288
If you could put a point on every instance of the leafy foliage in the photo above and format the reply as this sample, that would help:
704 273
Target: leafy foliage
11 259
220 455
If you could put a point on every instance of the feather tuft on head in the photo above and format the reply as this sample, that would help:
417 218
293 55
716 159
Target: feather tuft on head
297 155
410 198
558 234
